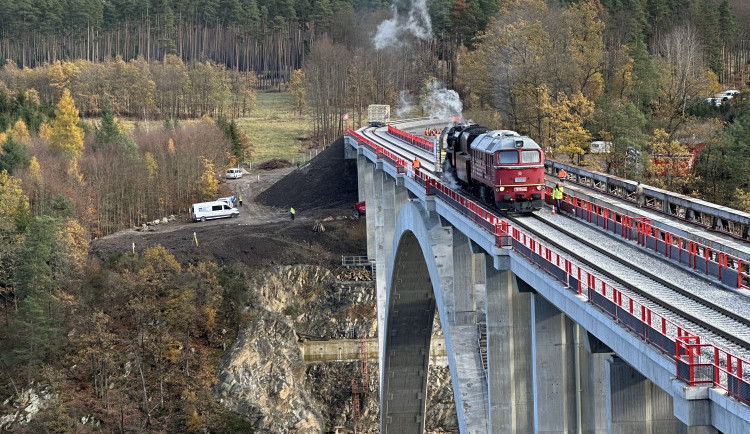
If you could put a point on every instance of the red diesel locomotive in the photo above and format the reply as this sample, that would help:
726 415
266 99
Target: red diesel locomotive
501 167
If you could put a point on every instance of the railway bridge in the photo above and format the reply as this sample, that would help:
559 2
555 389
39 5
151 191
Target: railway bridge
537 339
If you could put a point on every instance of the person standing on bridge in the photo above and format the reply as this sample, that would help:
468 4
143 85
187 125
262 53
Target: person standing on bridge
292 212
416 164
639 194
557 196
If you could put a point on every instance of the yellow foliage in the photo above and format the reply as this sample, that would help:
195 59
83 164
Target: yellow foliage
623 67
33 97
74 174
66 136
194 422
742 200
3 138
209 317
151 165
173 351
21 133
159 260
297 89
170 146
60 76
44 130
35 171
208 184
12 200
189 396
74 238
565 122
206 119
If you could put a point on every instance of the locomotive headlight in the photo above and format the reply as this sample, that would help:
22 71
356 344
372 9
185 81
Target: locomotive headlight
497 188
539 187
501 189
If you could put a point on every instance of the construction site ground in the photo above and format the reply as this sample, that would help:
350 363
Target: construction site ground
321 190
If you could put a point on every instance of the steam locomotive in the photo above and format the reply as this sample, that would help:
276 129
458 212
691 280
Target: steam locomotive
501 167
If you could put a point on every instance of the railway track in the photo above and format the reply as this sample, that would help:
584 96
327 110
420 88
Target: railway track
704 308
611 198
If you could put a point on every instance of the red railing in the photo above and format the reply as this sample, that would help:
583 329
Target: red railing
730 270
696 363
412 139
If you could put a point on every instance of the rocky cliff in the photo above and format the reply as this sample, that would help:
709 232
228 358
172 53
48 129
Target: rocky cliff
264 377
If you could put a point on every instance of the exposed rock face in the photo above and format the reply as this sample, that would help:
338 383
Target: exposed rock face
263 375
26 407
264 378
317 304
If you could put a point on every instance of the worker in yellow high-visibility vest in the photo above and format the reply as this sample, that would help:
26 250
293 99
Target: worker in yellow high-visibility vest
557 196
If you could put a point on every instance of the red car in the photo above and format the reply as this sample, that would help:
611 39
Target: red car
359 209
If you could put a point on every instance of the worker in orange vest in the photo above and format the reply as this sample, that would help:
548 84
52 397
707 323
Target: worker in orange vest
416 164
562 174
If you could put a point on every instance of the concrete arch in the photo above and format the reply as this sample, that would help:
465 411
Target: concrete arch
420 281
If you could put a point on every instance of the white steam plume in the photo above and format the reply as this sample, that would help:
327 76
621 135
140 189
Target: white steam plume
440 102
416 22
405 104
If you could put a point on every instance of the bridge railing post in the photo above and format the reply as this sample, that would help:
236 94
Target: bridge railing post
690 367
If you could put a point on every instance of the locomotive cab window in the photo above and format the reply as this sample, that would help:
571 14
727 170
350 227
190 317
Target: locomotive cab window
530 157
508 157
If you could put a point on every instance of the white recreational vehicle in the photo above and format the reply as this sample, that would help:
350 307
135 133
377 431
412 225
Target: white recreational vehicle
212 210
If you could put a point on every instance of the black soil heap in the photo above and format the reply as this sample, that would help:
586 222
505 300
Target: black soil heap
326 181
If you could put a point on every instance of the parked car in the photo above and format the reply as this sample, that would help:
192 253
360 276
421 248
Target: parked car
359 210
601 147
714 101
234 173
212 210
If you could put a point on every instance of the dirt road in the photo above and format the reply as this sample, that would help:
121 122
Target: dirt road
263 234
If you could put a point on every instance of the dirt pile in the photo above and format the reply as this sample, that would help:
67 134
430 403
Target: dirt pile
326 181
276 163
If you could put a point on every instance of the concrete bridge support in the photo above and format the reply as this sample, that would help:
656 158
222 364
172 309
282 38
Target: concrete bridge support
365 188
636 405
591 384
465 308
509 351
555 368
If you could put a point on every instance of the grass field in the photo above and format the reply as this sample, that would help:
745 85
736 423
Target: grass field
274 130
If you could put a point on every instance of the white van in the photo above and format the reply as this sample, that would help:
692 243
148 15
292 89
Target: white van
234 173
212 210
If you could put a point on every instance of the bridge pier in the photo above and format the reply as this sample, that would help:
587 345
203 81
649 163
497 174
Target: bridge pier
465 311
554 368
480 288
509 351
591 391
636 405
366 186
